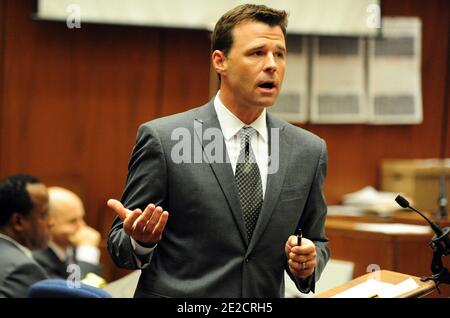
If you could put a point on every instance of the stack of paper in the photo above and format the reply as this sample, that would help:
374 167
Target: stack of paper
372 200
376 289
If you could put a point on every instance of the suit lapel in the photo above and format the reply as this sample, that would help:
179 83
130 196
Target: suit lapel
222 170
55 263
276 178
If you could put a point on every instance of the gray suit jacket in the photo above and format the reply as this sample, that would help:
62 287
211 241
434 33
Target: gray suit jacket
204 251
17 271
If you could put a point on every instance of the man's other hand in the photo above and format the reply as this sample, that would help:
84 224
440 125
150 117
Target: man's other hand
144 227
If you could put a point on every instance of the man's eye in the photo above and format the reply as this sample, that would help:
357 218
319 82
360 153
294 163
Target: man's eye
258 53
280 55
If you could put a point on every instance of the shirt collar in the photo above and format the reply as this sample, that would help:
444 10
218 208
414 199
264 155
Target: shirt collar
60 253
231 125
24 249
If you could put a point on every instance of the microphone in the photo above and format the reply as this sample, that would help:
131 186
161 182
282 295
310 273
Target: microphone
440 244
405 204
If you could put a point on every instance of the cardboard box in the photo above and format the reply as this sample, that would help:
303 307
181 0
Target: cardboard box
419 179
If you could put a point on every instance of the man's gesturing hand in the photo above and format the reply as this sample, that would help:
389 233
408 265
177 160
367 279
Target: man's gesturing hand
144 227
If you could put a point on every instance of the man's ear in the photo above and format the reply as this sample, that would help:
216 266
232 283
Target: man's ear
219 61
17 222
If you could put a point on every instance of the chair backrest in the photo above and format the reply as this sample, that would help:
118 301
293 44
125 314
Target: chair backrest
60 288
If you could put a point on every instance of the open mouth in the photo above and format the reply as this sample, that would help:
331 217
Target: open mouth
267 85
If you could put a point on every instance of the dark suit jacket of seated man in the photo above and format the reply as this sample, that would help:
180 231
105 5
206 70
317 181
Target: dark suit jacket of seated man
201 246
56 267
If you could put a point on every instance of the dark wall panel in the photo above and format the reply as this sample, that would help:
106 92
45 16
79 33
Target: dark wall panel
2 66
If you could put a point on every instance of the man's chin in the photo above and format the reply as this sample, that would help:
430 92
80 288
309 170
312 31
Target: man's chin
267 102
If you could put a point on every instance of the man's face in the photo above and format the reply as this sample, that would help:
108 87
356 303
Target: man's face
255 65
36 226
66 217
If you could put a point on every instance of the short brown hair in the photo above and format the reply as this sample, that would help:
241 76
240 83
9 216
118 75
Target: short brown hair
222 37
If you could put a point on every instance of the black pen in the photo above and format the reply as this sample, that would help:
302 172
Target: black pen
299 237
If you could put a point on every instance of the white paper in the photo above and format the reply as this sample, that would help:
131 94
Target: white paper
345 210
338 81
393 228
367 289
399 289
372 200
394 75
372 288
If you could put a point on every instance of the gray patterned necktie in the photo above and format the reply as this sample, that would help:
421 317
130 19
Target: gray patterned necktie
248 181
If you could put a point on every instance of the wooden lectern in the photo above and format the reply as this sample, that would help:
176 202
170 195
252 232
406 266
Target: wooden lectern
386 276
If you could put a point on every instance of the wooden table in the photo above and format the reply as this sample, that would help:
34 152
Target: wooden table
404 253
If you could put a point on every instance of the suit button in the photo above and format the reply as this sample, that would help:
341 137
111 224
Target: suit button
247 260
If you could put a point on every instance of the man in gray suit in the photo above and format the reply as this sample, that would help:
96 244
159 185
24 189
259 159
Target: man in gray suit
23 227
236 182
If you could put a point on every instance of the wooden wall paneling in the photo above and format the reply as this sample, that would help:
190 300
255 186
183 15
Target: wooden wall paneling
446 113
122 95
2 67
447 148
74 101
76 97
40 103
186 70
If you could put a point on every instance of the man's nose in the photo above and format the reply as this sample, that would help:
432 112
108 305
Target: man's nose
80 223
271 64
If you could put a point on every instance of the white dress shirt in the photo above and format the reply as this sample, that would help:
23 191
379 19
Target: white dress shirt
85 253
231 125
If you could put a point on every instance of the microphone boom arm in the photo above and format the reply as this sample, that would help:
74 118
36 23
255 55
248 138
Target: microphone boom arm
440 243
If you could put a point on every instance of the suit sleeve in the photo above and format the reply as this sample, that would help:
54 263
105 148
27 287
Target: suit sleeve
146 183
313 224
17 283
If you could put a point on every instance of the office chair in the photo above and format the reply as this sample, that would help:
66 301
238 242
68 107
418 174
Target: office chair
59 288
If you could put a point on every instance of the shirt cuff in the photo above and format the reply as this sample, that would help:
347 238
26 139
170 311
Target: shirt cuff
89 254
141 253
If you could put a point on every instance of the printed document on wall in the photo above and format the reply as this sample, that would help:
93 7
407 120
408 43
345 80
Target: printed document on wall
292 103
338 80
394 79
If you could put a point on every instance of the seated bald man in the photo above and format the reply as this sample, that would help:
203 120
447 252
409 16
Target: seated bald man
72 241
